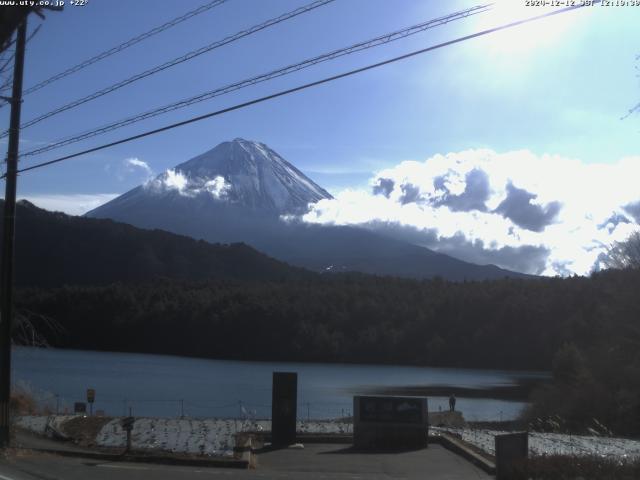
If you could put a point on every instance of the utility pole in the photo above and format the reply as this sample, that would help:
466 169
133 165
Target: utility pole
8 237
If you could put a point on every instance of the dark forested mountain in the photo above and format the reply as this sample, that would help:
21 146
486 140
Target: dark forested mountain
53 249
238 191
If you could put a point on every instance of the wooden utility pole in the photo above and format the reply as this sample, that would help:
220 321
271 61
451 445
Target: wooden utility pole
8 237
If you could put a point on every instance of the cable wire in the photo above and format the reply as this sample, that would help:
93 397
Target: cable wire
375 42
125 45
6 63
176 61
302 87
9 82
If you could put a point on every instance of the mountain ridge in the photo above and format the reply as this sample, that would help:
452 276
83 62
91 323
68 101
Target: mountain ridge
54 249
251 189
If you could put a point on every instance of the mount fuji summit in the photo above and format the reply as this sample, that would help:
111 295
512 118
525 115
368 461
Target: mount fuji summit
239 191
240 173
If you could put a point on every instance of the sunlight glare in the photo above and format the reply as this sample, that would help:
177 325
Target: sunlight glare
527 37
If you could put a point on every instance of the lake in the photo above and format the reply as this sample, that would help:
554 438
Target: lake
167 386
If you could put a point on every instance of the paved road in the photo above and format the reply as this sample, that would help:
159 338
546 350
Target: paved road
340 462
25 439
327 462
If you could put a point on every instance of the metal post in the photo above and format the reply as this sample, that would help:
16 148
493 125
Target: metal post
6 280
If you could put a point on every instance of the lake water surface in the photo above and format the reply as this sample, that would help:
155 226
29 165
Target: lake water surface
157 385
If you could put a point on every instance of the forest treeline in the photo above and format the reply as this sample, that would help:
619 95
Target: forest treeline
517 324
587 330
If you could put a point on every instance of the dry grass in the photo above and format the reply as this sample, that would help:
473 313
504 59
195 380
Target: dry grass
84 430
22 403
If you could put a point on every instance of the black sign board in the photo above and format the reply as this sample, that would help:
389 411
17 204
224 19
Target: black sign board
511 448
391 410
91 395
80 407
284 408
390 422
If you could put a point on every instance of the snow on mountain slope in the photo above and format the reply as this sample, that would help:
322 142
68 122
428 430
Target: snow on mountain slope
243 173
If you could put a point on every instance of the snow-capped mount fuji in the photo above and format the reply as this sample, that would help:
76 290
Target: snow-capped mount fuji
242 173
240 190
252 175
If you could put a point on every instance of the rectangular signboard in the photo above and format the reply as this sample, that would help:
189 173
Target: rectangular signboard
511 449
390 422
284 408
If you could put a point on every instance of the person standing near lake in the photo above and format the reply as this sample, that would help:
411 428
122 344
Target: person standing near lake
452 402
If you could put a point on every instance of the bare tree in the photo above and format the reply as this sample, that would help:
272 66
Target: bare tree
625 254
27 328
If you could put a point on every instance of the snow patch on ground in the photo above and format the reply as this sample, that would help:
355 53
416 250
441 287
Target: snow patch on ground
192 436
38 423
554 443
217 436
197 436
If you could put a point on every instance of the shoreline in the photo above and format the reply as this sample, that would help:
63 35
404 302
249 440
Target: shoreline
523 373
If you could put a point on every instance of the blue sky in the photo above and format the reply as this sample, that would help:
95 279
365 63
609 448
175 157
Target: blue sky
559 87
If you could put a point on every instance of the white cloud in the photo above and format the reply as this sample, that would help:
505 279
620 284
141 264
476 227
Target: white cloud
74 204
217 187
175 180
172 179
169 180
484 207
135 163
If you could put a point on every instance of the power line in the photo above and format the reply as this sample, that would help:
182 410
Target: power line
377 41
631 111
5 65
303 87
6 57
125 45
9 80
176 61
